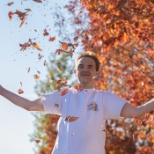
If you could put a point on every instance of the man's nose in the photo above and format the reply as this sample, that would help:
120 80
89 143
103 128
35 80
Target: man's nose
85 70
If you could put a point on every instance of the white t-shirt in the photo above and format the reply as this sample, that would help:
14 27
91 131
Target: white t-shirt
85 135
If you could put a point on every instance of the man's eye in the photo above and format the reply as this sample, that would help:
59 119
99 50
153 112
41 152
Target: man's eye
90 67
80 66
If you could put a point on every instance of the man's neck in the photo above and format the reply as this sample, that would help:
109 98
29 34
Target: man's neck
87 86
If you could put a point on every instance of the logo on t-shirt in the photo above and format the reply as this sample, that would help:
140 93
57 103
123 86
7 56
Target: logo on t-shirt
93 106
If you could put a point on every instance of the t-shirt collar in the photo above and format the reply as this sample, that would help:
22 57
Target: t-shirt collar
89 90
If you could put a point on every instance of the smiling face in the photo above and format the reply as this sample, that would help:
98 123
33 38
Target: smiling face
85 71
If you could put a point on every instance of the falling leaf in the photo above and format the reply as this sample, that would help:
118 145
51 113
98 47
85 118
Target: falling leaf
45 33
24 46
56 105
22 22
10 3
64 91
28 69
28 9
36 76
37 46
64 45
38 72
22 16
38 1
59 81
37 141
59 51
71 54
20 91
75 39
10 14
78 87
40 56
44 63
52 38
21 84
71 118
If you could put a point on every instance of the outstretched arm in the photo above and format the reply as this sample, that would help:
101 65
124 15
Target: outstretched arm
130 111
35 105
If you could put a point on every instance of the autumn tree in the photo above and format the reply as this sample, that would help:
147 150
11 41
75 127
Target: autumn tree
121 33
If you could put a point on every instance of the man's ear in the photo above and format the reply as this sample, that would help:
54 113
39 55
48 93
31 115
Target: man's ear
74 71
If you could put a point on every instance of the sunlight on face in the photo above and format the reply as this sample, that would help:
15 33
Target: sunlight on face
85 71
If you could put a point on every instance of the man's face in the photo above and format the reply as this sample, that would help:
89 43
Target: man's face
85 71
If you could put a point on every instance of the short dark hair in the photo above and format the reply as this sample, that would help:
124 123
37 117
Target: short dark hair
90 55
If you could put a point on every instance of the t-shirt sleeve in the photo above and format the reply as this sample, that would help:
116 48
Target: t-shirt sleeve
112 105
52 102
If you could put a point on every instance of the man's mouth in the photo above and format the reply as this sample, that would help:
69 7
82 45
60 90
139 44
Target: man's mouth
85 74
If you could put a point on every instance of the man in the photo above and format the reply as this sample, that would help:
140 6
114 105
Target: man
81 127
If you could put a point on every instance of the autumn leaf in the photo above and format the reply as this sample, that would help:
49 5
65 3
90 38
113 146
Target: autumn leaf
40 56
10 14
64 91
20 91
35 45
52 38
36 76
24 46
22 22
44 63
71 118
56 105
38 72
28 10
10 3
58 51
78 87
22 16
59 81
71 53
28 69
45 33
38 1
37 141
75 39
64 45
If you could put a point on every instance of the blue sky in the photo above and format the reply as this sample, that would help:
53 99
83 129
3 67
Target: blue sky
16 124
